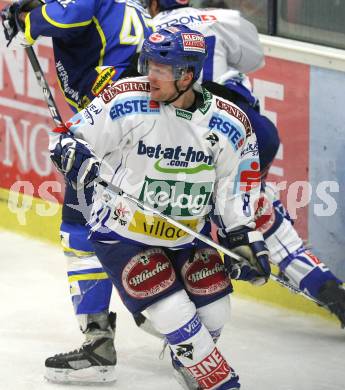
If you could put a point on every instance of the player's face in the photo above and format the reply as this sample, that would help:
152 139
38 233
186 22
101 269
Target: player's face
161 80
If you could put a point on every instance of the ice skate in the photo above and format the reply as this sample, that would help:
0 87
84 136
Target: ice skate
332 295
94 362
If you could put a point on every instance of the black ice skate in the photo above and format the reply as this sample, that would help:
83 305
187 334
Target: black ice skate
94 362
332 295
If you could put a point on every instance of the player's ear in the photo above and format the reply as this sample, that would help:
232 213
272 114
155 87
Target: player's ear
187 77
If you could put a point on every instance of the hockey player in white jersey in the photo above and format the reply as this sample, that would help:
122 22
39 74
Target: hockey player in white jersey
226 42
153 137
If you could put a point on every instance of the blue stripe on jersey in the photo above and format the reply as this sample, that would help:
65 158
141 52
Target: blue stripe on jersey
86 271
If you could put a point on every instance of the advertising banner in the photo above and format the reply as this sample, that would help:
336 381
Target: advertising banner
283 90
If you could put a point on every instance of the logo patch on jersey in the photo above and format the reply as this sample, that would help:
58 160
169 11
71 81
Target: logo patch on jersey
207 96
213 139
186 19
102 80
177 160
193 42
132 106
148 274
64 80
91 111
237 113
184 114
178 198
156 38
248 176
115 89
182 2
251 149
158 228
222 124
205 275
208 18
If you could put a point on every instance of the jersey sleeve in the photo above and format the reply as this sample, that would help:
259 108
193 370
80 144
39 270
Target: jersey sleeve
59 19
242 47
94 125
237 187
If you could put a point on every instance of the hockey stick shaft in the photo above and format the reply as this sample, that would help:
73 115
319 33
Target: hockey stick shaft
42 82
295 289
54 112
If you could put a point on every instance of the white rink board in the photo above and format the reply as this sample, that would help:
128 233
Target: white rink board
270 348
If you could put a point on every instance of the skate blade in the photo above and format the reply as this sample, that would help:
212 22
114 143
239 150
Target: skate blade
85 376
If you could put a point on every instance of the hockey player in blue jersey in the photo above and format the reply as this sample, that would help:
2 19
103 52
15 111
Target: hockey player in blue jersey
95 43
298 264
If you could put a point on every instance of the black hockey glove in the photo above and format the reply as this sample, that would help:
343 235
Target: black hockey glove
76 160
10 17
250 245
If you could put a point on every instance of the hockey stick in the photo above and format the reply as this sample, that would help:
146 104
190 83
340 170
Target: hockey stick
54 112
117 191
296 290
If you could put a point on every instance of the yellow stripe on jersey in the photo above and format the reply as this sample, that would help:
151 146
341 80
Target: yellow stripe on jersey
95 276
27 32
62 25
103 40
69 101
76 252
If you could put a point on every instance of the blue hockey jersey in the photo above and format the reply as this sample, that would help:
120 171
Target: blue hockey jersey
94 42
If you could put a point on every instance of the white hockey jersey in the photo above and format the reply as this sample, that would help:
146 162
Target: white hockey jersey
232 41
176 161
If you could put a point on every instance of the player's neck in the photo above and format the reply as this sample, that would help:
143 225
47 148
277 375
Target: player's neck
186 100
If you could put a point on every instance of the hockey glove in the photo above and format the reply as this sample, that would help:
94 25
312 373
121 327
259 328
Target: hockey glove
9 16
250 245
12 22
76 160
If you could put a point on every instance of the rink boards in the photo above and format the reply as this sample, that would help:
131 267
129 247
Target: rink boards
302 97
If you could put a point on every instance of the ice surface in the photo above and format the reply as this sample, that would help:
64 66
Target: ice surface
271 349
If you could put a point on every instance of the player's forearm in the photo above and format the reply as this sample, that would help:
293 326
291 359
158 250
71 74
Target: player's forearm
54 20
